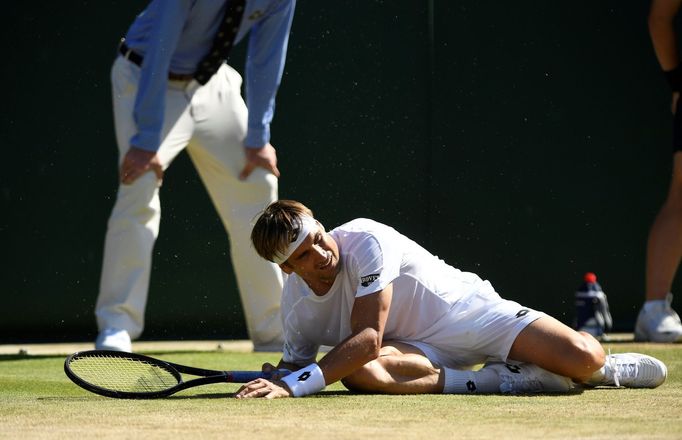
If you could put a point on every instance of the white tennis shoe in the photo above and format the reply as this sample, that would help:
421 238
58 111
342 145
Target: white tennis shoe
529 378
113 339
631 370
658 322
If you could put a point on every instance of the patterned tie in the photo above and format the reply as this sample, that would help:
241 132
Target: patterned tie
222 43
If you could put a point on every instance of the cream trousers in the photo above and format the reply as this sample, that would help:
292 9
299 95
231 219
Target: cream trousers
210 121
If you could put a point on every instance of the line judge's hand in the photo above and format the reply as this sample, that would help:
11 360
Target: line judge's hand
264 157
137 162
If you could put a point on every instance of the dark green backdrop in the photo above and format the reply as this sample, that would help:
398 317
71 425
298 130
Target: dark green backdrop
525 141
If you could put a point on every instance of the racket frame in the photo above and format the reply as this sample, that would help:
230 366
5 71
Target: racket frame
206 376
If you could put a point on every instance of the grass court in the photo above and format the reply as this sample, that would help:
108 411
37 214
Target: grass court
38 401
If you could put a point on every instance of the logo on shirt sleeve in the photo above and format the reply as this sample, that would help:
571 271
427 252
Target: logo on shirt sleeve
368 279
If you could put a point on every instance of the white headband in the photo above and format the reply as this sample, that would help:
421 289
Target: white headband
308 225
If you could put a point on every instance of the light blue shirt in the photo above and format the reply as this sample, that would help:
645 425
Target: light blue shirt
174 35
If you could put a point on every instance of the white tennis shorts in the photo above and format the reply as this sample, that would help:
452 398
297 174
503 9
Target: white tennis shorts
480 328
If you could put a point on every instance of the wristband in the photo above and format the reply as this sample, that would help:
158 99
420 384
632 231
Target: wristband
674 78
308 380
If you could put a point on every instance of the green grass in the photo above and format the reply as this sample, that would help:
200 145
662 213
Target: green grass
38 401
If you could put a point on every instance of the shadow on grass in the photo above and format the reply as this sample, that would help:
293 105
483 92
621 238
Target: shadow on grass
345 393
231 395
94 396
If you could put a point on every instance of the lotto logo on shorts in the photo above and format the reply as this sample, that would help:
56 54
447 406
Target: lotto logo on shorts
369 279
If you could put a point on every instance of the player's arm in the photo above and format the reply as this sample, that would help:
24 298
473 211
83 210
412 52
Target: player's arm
368 321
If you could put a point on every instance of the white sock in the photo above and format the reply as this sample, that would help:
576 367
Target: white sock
468 382
597 377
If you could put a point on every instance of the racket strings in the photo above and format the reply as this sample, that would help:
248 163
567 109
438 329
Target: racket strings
123 374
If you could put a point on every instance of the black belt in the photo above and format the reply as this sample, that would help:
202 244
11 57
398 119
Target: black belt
137 59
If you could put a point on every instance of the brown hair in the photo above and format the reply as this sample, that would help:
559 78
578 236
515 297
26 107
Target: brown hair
277 226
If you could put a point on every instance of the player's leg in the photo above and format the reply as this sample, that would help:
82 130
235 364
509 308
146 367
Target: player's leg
399 369
134 222
552 345
657 321
218 154
559 349
405 369
481 328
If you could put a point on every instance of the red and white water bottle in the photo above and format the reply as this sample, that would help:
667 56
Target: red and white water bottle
591 308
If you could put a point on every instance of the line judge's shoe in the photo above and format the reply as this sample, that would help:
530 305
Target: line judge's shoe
630 370
529 378
658 322
113 339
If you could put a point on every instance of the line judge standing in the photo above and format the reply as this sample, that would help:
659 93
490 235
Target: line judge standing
657 320
172 90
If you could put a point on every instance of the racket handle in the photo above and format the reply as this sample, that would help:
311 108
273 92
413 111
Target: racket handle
248 376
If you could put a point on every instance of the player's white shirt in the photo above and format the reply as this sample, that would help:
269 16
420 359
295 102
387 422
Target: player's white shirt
428 294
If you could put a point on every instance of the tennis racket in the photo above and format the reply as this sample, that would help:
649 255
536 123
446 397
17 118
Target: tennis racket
135 376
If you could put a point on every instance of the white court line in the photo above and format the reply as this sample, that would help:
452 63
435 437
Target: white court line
138 347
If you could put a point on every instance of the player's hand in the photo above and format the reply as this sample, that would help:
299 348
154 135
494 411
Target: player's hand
263 388
264 157
137 162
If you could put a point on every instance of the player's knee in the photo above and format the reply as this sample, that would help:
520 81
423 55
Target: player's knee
588 352
368 378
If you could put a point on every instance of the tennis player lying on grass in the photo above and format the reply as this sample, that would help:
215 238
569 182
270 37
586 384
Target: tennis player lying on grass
401 321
